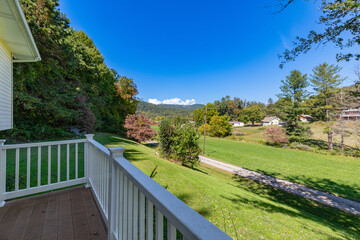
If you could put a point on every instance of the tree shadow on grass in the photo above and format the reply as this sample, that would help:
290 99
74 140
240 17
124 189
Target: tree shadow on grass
350 191
150 145
300 207
134 155
196 169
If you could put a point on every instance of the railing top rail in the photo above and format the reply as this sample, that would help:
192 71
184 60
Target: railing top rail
190 223
187 221
26 145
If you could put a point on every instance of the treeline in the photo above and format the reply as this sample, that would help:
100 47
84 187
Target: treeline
323 102
71 90
159 112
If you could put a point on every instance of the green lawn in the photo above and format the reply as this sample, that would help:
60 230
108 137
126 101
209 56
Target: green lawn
334 174
252 133
242 208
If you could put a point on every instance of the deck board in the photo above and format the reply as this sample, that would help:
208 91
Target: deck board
69 214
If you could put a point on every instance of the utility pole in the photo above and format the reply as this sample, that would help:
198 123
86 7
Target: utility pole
205 130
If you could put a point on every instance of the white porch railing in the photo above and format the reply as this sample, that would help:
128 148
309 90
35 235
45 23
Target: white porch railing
132 204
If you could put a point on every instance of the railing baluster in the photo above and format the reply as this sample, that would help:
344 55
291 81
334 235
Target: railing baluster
121 205
39 166
135 213
28 155
2 172
149 220
117 199
130 210
171 231
49 164
142 217
17 169
159 225
106 181
125 197
58 163
67 162
76 160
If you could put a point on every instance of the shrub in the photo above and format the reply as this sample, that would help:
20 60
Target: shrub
139 128
220 126
186 147
201 129
166 135
276 135
300 146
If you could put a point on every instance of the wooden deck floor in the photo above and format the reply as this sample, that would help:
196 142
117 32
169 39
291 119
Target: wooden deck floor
65 214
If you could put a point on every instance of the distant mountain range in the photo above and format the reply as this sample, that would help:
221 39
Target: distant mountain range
189 107
166 110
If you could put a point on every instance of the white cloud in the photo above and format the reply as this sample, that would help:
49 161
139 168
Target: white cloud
175 101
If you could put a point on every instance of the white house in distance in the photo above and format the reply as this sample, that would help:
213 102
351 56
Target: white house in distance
306 118
267 121
237 124
16 45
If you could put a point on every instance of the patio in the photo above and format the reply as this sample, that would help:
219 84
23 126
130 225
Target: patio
65 214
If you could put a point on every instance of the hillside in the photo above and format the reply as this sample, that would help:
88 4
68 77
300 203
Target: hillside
188 107
169 111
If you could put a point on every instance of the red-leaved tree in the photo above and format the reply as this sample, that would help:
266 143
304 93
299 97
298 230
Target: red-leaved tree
138 128
276 135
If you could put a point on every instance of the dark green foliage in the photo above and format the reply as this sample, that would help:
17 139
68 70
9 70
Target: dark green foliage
166 132
252 114
294 90
71 88
178 121
185 146
179 143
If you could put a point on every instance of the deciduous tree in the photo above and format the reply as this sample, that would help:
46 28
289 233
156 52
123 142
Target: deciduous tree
340 22
139 128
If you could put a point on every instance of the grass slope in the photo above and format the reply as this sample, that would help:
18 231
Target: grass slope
242 208
334 174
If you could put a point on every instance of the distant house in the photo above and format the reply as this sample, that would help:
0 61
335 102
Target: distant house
270 121
306 118
237 124
351 114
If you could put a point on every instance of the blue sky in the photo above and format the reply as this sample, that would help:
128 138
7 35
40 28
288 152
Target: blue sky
200 51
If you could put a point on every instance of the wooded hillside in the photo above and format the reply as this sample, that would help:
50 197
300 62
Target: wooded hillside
169 111
71 89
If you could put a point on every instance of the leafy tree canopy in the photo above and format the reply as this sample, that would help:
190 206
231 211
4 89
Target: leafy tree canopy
341 21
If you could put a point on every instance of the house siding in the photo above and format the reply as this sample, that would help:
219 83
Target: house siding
6 108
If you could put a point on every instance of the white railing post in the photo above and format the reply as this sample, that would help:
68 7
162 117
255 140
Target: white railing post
87 159
2 172
115 152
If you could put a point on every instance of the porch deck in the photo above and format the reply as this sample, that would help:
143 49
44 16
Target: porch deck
65 214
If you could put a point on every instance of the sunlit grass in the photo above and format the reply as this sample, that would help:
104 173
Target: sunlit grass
242 208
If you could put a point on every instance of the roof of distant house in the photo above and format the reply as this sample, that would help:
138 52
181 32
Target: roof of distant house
306 116
235 122
269 119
